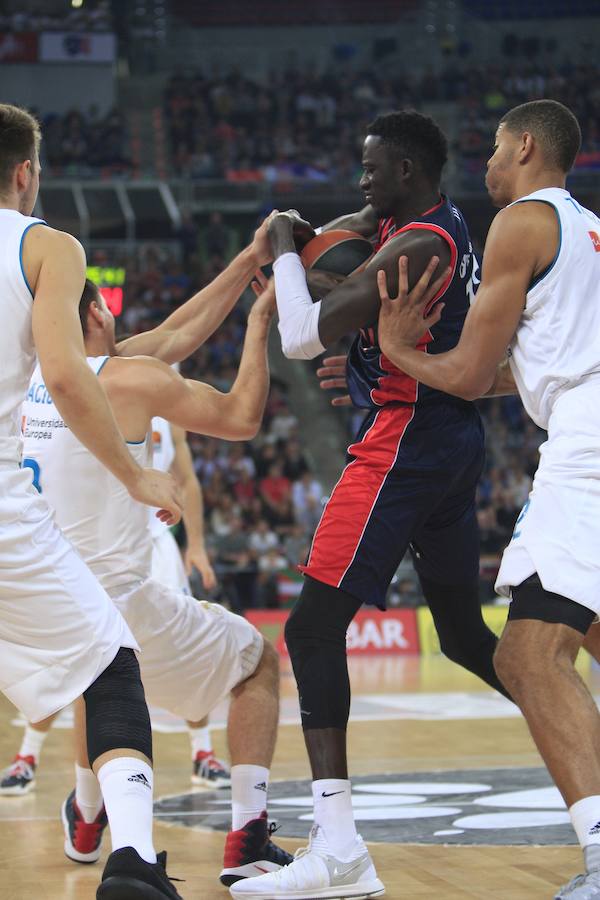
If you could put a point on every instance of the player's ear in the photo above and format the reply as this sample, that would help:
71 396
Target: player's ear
95 312
405 169
527 147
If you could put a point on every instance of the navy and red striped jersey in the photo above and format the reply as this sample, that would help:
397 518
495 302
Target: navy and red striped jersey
373 380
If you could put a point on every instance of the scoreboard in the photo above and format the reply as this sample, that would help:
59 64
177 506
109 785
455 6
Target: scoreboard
111 281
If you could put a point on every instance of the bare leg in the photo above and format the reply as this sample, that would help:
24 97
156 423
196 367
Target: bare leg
45 725
201 724
535 661
254 714
591 642
79 734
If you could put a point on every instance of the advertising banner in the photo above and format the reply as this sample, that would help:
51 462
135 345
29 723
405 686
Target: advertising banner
69 46
371 633
21 47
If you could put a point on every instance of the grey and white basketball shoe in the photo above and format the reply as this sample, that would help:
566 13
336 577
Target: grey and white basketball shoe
586 886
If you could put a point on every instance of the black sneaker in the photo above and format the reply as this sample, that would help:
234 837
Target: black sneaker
127 876
250 852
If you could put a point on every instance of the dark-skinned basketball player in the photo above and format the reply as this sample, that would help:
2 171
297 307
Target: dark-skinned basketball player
410 480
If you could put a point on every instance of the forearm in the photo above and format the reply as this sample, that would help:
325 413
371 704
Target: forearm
363 222
447 372
194 322
298 315
82 403
251 387
193 510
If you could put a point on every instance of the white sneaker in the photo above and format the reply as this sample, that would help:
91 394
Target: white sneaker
316 873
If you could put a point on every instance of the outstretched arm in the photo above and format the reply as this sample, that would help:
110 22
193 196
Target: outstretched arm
194 322
155 389
521 243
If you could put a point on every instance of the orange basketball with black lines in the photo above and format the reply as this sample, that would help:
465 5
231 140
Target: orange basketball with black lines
339 251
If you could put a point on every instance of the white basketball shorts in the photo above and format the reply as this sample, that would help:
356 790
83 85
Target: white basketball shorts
58 628
193 652
557 533
167 564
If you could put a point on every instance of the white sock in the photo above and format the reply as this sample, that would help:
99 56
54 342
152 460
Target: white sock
585 816
249 786
332 798
126 785
88 795
32 743
200 740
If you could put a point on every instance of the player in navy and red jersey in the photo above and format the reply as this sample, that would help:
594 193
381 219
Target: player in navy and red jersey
410 478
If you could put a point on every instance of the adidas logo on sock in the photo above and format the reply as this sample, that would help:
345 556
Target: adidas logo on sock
141 779
261 786
595 829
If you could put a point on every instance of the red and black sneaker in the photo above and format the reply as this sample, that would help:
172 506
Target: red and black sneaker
82 839
19 778
250 852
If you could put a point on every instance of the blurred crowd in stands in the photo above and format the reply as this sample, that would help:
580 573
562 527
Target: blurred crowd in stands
77 144
263 498
306 125
95 16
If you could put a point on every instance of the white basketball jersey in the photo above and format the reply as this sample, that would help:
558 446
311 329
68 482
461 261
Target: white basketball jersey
94 510
557 342
17 352
163 450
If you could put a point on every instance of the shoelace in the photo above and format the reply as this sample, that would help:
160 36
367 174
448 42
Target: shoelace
273 827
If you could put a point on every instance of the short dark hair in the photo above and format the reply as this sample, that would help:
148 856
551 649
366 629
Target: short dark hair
20 138
550 123
413 136
89 296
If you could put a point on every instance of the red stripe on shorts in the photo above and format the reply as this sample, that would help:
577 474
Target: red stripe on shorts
349 508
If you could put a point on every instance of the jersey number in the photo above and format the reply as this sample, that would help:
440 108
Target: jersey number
32 464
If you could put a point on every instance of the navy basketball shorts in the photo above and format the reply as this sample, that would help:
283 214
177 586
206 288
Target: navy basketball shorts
410 481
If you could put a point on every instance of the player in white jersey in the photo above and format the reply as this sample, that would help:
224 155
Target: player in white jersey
193 653
60 634
172 454
540 297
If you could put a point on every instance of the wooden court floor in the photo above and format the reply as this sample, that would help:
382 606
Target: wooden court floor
33 867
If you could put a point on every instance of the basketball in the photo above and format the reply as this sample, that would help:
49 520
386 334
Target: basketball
338 251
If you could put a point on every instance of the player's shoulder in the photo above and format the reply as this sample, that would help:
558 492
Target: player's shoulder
413 239
524 223
44 238
138 371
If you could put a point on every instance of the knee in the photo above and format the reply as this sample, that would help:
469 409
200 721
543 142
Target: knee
269 662
515 665
451 645
462 647
505 667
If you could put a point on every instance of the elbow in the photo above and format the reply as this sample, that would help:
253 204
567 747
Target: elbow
58 383
470 387
248 430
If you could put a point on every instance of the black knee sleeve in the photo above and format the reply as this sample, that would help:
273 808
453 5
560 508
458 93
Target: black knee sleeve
530 600
315 634
464 637
115 709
